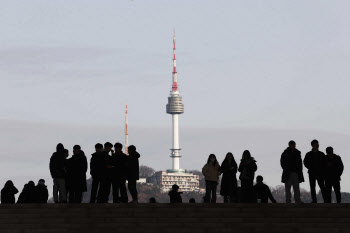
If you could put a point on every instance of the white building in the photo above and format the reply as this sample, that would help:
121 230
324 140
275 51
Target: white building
186 181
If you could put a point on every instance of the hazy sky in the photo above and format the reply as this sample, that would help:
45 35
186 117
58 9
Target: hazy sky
253 74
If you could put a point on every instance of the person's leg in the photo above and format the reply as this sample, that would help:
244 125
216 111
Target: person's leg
250 192
103 192
55 191
61 184
287 189
79 196
336 186
132 189
115 188
123 193
214 186
312 180
296 187
328 191
94 188
207 192
320 182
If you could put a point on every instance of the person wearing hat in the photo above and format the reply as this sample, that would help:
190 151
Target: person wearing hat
175 195
41 192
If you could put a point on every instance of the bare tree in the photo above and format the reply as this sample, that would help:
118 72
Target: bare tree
146 171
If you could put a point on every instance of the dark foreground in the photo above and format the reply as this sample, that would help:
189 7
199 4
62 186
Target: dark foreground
179 218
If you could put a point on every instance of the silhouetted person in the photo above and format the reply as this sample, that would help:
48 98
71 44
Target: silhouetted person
119 170
28 194
334 170
106 175
262 191
247 168
175 195
58 174
211 172
152 200
192 200
8 193
96 171
314 161
229 180
77 167
132 174
292 175
41 192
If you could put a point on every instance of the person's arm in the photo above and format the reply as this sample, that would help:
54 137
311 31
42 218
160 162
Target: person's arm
15 190
218 170
205 170
341 167
85 164
283 161
240 169
307 161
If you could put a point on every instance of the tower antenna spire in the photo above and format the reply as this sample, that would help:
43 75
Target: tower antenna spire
174 86
126 131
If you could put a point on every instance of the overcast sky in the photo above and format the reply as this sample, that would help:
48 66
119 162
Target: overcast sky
253 75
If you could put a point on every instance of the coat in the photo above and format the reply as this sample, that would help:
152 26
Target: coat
132 166
211 172
57 165
315 163
334 168
77 168
263 192
291 162
119 162
175 197
41 193
8 195
28 195
247 168
228 180
97 165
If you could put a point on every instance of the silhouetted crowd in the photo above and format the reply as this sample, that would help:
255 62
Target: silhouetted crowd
112 169
108 168
325 169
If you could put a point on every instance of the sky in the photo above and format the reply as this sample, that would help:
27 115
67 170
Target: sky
253 75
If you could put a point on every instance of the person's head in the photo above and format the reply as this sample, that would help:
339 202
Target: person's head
76 149
175 187
192 200
66 153
59 147
9 184
118 147
246 154
98 147
108 146
315 144
259 179
229 157
131 149
212 159
41 182
292 145
329 150
152 200
31 184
